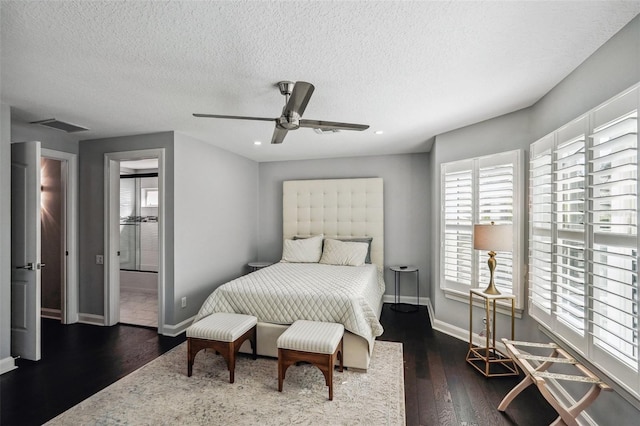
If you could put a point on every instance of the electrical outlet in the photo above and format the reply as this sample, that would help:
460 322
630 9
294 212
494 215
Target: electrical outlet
184 302
99 259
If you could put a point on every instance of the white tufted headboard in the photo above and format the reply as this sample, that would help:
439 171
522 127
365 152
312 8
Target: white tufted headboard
336 208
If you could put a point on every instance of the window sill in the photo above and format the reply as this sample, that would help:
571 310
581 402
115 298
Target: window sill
501 307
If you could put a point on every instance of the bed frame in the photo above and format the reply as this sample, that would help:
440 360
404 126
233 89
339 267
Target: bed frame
337 208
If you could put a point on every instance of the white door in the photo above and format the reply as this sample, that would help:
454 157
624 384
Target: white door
25 250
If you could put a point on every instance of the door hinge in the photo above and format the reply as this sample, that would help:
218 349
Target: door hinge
118 252
66 253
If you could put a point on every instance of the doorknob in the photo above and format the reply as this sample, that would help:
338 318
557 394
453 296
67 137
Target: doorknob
41 265
29 266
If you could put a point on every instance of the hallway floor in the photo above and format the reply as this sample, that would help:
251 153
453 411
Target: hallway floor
138 307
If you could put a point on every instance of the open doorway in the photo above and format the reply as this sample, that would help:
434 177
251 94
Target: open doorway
52 221
58 236
134 238
139 242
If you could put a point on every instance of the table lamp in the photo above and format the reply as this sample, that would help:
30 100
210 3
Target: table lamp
492 237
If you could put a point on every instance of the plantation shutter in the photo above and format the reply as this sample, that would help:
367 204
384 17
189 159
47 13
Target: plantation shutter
569 288
480 191
614 215
540 243
583 249
495 204
458 223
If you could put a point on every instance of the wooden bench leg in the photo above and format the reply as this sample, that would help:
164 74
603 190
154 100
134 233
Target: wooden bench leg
284 362
190 358
231 362
324 362
228 350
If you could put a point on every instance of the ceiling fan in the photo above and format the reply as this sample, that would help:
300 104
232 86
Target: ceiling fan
297 97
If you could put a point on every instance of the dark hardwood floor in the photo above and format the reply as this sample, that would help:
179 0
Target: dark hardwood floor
440 388
78 360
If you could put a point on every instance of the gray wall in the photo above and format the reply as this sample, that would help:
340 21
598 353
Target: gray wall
610 70
216 202
5 238
406 206
91 221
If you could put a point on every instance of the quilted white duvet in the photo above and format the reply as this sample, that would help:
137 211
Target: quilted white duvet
286 292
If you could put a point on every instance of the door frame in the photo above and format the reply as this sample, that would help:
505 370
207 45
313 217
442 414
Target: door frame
112 231
69 314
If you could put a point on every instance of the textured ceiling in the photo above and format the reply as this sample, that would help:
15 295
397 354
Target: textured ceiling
411 69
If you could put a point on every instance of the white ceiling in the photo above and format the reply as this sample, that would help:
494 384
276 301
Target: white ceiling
411 69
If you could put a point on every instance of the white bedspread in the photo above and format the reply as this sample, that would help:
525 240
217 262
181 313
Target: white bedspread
286 292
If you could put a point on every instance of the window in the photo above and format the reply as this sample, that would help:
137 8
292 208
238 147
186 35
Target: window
583 239
480 190
149 197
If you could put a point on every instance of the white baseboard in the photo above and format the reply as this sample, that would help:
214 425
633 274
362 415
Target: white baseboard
91 319
554 387
175 330
7 364
390 298
457 332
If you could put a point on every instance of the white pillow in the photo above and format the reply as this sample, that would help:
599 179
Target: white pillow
306 250
344 253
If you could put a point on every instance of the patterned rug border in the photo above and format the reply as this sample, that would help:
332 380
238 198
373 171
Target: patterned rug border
161 393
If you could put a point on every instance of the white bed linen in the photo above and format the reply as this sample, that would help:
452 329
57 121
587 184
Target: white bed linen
286 292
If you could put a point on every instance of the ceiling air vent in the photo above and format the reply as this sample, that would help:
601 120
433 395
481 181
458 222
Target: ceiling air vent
60 125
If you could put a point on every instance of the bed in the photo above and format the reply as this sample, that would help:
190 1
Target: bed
343 210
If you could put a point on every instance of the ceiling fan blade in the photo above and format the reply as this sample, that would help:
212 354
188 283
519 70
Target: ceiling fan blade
278 135
299 98
234 117
329 125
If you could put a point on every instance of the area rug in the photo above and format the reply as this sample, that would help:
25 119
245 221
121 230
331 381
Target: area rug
160 393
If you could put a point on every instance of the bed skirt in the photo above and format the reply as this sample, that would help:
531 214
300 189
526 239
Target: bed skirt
356 348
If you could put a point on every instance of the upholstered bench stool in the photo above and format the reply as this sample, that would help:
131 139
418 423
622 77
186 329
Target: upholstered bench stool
318 343
223 332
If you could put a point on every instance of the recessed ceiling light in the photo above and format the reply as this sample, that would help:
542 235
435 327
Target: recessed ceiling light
257 143
378 132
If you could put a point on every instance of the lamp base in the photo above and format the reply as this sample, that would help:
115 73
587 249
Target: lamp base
491 288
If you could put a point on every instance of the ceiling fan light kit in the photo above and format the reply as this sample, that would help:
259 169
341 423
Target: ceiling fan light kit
297 97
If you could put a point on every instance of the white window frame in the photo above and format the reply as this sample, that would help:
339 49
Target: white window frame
582 339
460 291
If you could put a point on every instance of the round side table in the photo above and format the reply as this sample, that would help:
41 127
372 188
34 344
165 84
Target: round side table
259 265
405 307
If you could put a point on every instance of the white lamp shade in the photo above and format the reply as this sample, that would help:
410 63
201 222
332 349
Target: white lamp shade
493 237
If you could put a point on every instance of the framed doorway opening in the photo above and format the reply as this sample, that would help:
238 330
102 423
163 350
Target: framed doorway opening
112 231
68 233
